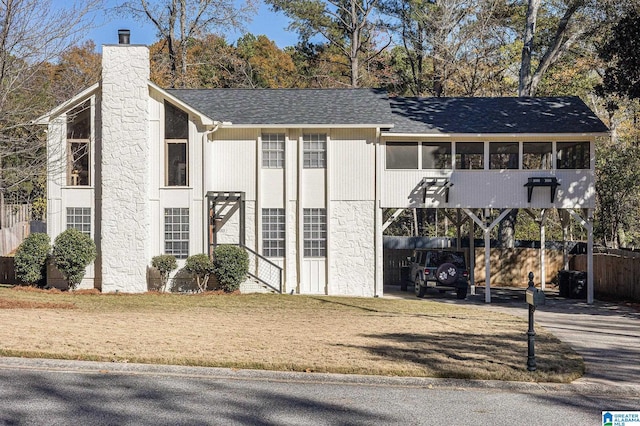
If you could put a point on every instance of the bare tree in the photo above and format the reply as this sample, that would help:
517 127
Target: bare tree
33 35
346 24
179 21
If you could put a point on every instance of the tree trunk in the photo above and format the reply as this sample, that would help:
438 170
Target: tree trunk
524 84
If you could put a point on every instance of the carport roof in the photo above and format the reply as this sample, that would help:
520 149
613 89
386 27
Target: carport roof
551 115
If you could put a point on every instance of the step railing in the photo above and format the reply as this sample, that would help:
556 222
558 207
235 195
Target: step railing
264 271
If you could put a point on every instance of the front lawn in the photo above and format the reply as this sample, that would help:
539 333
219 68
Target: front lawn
280 332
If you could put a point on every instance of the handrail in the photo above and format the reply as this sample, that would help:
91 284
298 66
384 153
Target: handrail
263 260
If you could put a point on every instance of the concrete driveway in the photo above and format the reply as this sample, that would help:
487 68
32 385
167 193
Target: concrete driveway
605 334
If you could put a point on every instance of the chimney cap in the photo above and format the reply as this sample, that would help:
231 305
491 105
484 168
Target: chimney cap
124 36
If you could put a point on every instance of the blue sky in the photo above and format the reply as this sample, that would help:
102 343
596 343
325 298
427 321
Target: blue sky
266 22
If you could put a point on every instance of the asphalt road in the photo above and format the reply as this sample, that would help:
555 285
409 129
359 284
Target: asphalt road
49 392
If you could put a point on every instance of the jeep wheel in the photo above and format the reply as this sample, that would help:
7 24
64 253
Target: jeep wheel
461 293
420 289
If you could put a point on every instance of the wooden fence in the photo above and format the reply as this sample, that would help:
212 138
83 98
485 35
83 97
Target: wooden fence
616 275
509 267
10 238
13 214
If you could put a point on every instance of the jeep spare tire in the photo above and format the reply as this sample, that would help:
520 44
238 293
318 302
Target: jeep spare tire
447 274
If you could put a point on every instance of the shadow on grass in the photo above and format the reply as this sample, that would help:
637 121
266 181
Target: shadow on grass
476 355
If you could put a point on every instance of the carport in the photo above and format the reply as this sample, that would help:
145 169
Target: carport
474 155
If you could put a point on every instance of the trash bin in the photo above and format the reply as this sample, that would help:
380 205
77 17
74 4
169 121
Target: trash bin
572 284
405 271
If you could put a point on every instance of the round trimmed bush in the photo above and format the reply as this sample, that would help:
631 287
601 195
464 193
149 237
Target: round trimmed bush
164 263
72 252
200 266
231 264
31 259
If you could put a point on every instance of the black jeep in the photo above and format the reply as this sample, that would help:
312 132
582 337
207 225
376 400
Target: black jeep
439 268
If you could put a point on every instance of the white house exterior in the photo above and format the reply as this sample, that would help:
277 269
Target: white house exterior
298 176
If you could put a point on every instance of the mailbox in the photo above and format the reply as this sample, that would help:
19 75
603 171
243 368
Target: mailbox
535 296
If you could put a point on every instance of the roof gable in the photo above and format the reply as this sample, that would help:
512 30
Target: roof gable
281 107
493 116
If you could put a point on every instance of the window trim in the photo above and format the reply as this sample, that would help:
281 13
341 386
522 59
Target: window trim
82 213
278 152
176 141
319 161
274 232
183 227
315 232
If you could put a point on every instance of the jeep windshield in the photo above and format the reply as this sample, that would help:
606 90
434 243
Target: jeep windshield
438 258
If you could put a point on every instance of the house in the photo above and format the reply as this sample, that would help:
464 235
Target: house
298 176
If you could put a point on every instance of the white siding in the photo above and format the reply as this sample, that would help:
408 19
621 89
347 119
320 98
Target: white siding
352 165
232 162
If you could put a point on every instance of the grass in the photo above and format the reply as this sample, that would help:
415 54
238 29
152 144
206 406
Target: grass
280 332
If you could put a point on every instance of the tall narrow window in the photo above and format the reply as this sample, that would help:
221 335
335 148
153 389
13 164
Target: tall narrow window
470 155
402 155
503 155
573 155
436 155
315 232
176 232
273 150
79 218
176 134
536 155
78 145
273 232
314 150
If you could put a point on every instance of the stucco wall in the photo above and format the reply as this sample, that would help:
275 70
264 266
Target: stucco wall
124 200
352 248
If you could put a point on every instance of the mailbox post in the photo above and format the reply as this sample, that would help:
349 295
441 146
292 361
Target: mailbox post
534 297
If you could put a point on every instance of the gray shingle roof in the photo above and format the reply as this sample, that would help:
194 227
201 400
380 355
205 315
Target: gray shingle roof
323 107
494 115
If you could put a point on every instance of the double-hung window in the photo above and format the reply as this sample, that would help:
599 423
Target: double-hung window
78 145
469 155
176 232
315 232
273 232
573 155
537 155
314 150
273 150
503 155
176 135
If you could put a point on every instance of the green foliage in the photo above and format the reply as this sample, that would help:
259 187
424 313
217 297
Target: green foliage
31 258
231 264
617 190
200 266
164 263
72 252
622 75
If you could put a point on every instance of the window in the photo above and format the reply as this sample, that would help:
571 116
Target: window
315 150
402 155
436 155
78 143
79 218
176 134
273 232
273 150
536 155
503 155
573 155
315 232
470 155
176 232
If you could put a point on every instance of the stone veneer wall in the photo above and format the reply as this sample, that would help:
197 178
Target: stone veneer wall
352 251
123 197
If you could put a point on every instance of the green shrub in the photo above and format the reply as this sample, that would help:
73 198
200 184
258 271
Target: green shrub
31 258
164 263
200 266
231 264
72 252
